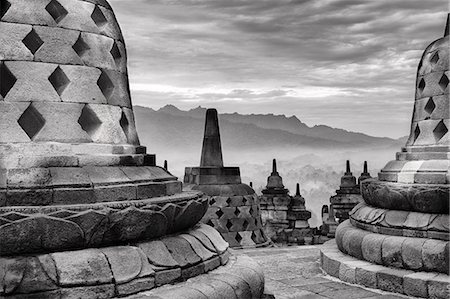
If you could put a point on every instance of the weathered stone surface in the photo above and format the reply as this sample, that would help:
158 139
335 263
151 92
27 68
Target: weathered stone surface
372 248
181 251
435 256
198 247
158 254
219 244
125 262
391 251
85 267
416 284
135 286
412 253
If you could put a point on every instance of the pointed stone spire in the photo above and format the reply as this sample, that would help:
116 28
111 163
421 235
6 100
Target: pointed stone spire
347 171
251 184
297 190
365 174
212 148
274 167
446 31
165 165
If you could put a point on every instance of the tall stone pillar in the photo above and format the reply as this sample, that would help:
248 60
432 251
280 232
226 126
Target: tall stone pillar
403 224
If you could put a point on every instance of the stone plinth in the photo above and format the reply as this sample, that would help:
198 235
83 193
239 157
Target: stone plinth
234 207
399 236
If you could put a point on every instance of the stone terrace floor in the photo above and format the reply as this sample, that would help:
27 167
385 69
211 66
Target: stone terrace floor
294 273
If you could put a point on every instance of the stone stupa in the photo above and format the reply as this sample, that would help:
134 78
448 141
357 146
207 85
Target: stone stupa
348 195
398 238
234 207
84 211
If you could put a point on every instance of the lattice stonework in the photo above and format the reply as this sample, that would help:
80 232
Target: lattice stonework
84 67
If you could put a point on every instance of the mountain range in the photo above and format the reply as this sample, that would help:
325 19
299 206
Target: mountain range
170 127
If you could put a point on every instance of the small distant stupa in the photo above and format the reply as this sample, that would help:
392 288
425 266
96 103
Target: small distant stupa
348 195
234 207
285 218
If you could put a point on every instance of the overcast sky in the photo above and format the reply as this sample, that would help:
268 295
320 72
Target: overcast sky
349 64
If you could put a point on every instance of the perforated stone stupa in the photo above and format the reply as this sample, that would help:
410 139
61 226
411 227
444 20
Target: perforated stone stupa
398 238
84 211
235 209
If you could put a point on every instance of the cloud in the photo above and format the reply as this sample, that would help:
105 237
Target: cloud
324 57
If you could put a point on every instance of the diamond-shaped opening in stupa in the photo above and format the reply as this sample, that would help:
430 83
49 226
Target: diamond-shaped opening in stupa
98 17
440 130
4 8
421 85
80 47
56 10
219 213
89 121
31 121
245 224
115 53
7 80
237 212
59 80
443 83
238 238
32 41
435 58
416 132
106 85
430 106
254 237
229 224
124 124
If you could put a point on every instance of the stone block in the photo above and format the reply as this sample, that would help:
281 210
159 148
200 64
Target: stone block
29 178
11 40
391 251
416 284
97 53
82 267
83 87
106 175
193 271
198 247
371 248
367 275
125 262
241 288
29 197
115 193
98 291
435 256
439 287
57 45
110 131
149 190
163 277
216 239
158 254
224 257
69 177
73 195
10 130
391 280
61 123
412 253
202 238
181 251
120 95
212 263
135 286
32 84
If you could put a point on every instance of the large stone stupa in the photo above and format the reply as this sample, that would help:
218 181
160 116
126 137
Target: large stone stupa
84 211
235 208
398 238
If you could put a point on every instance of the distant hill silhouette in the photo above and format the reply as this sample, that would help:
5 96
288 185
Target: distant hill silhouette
172 127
